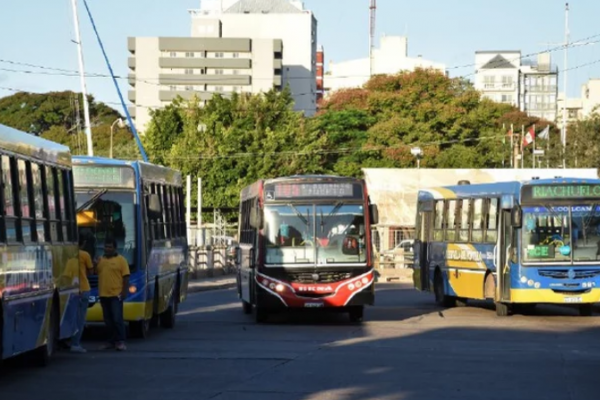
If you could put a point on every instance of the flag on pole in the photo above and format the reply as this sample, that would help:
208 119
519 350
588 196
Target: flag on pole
545 134
529 137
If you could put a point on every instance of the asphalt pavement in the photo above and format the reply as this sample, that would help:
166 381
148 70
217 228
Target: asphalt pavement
407 348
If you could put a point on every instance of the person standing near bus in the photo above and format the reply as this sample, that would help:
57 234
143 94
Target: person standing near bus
85 268
113 282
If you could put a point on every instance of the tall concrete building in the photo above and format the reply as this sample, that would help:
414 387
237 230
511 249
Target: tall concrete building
532 86
390 58
235 46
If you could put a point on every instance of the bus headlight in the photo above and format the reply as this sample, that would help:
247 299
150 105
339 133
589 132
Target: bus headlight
132 289
279 287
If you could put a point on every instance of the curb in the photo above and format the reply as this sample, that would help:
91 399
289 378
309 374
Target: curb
208 288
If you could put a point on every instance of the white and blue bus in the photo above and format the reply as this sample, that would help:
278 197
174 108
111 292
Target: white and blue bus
517 243
141 205
38 246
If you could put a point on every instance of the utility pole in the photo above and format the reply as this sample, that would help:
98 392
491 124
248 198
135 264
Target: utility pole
565 72
372 14
86 107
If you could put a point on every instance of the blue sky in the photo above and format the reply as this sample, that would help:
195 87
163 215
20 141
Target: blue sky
447 31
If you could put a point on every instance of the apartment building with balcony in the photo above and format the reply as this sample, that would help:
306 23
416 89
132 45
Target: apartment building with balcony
531 86
162 68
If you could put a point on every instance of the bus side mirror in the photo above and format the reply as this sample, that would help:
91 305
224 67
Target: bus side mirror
256 218
516 217
374 214
154 207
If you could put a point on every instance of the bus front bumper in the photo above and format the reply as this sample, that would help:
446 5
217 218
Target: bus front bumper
549 296
132 311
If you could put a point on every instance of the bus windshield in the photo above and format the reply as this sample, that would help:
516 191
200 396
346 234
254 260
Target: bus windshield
561 234
315 234
111 215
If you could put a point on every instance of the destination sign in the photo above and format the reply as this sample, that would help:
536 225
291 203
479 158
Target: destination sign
279 191
103 176
561 192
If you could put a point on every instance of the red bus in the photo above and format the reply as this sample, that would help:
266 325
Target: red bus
305 242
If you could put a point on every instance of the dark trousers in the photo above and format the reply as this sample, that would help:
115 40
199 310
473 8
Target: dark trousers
112 308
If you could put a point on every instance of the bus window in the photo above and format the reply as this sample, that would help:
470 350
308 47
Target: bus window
491 232
477 232
9 201
289 230
51 194
464 221
438 224
38 199
335 225
451 218
24 201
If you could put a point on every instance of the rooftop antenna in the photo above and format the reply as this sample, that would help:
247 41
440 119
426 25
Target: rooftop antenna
372 12
86 107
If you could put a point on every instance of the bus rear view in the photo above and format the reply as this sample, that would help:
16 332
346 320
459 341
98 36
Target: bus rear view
305 242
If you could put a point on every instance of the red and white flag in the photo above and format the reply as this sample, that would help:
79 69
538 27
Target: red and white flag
529 137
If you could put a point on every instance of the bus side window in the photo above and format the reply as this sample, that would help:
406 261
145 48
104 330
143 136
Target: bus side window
38 201
491 231
465 210
451 224
7 213
477 221
25 202
438 222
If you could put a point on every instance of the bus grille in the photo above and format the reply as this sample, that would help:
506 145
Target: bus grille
323 277
564 273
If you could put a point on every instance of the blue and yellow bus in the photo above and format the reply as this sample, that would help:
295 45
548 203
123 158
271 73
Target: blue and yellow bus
38 246
518 243
141 205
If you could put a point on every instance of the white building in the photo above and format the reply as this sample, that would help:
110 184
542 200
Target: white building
503 76
247 46
286 20
390 58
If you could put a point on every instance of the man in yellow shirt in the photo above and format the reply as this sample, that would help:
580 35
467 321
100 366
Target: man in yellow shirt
113 282
85 268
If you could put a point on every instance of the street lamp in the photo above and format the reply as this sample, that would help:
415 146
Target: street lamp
418 153
112 127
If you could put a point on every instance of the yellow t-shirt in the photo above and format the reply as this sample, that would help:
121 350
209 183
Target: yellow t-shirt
70 275
85 264
111 272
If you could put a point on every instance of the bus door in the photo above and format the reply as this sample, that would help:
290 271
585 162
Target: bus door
421 247
503 249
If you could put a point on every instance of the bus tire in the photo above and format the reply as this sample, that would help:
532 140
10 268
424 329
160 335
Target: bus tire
43 355
139 329
586 310
167 318
438 287
247 307
154 320
503 309
356 314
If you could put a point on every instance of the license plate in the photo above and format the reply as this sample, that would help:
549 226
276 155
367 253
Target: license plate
573 299
313 305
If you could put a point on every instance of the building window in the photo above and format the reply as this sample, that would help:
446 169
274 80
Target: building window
219 55
235 88
189 71
189 88
173 54
506 98
218 88
173 88
235 72
489 82
218 72
236 55
189 55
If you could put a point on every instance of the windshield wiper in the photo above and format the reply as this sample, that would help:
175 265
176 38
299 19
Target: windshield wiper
91 201
299 214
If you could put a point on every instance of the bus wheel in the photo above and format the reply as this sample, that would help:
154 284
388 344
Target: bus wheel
586 310
247 307
260 314
503 310
167 318
43 354
440 297
139 329
356 314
